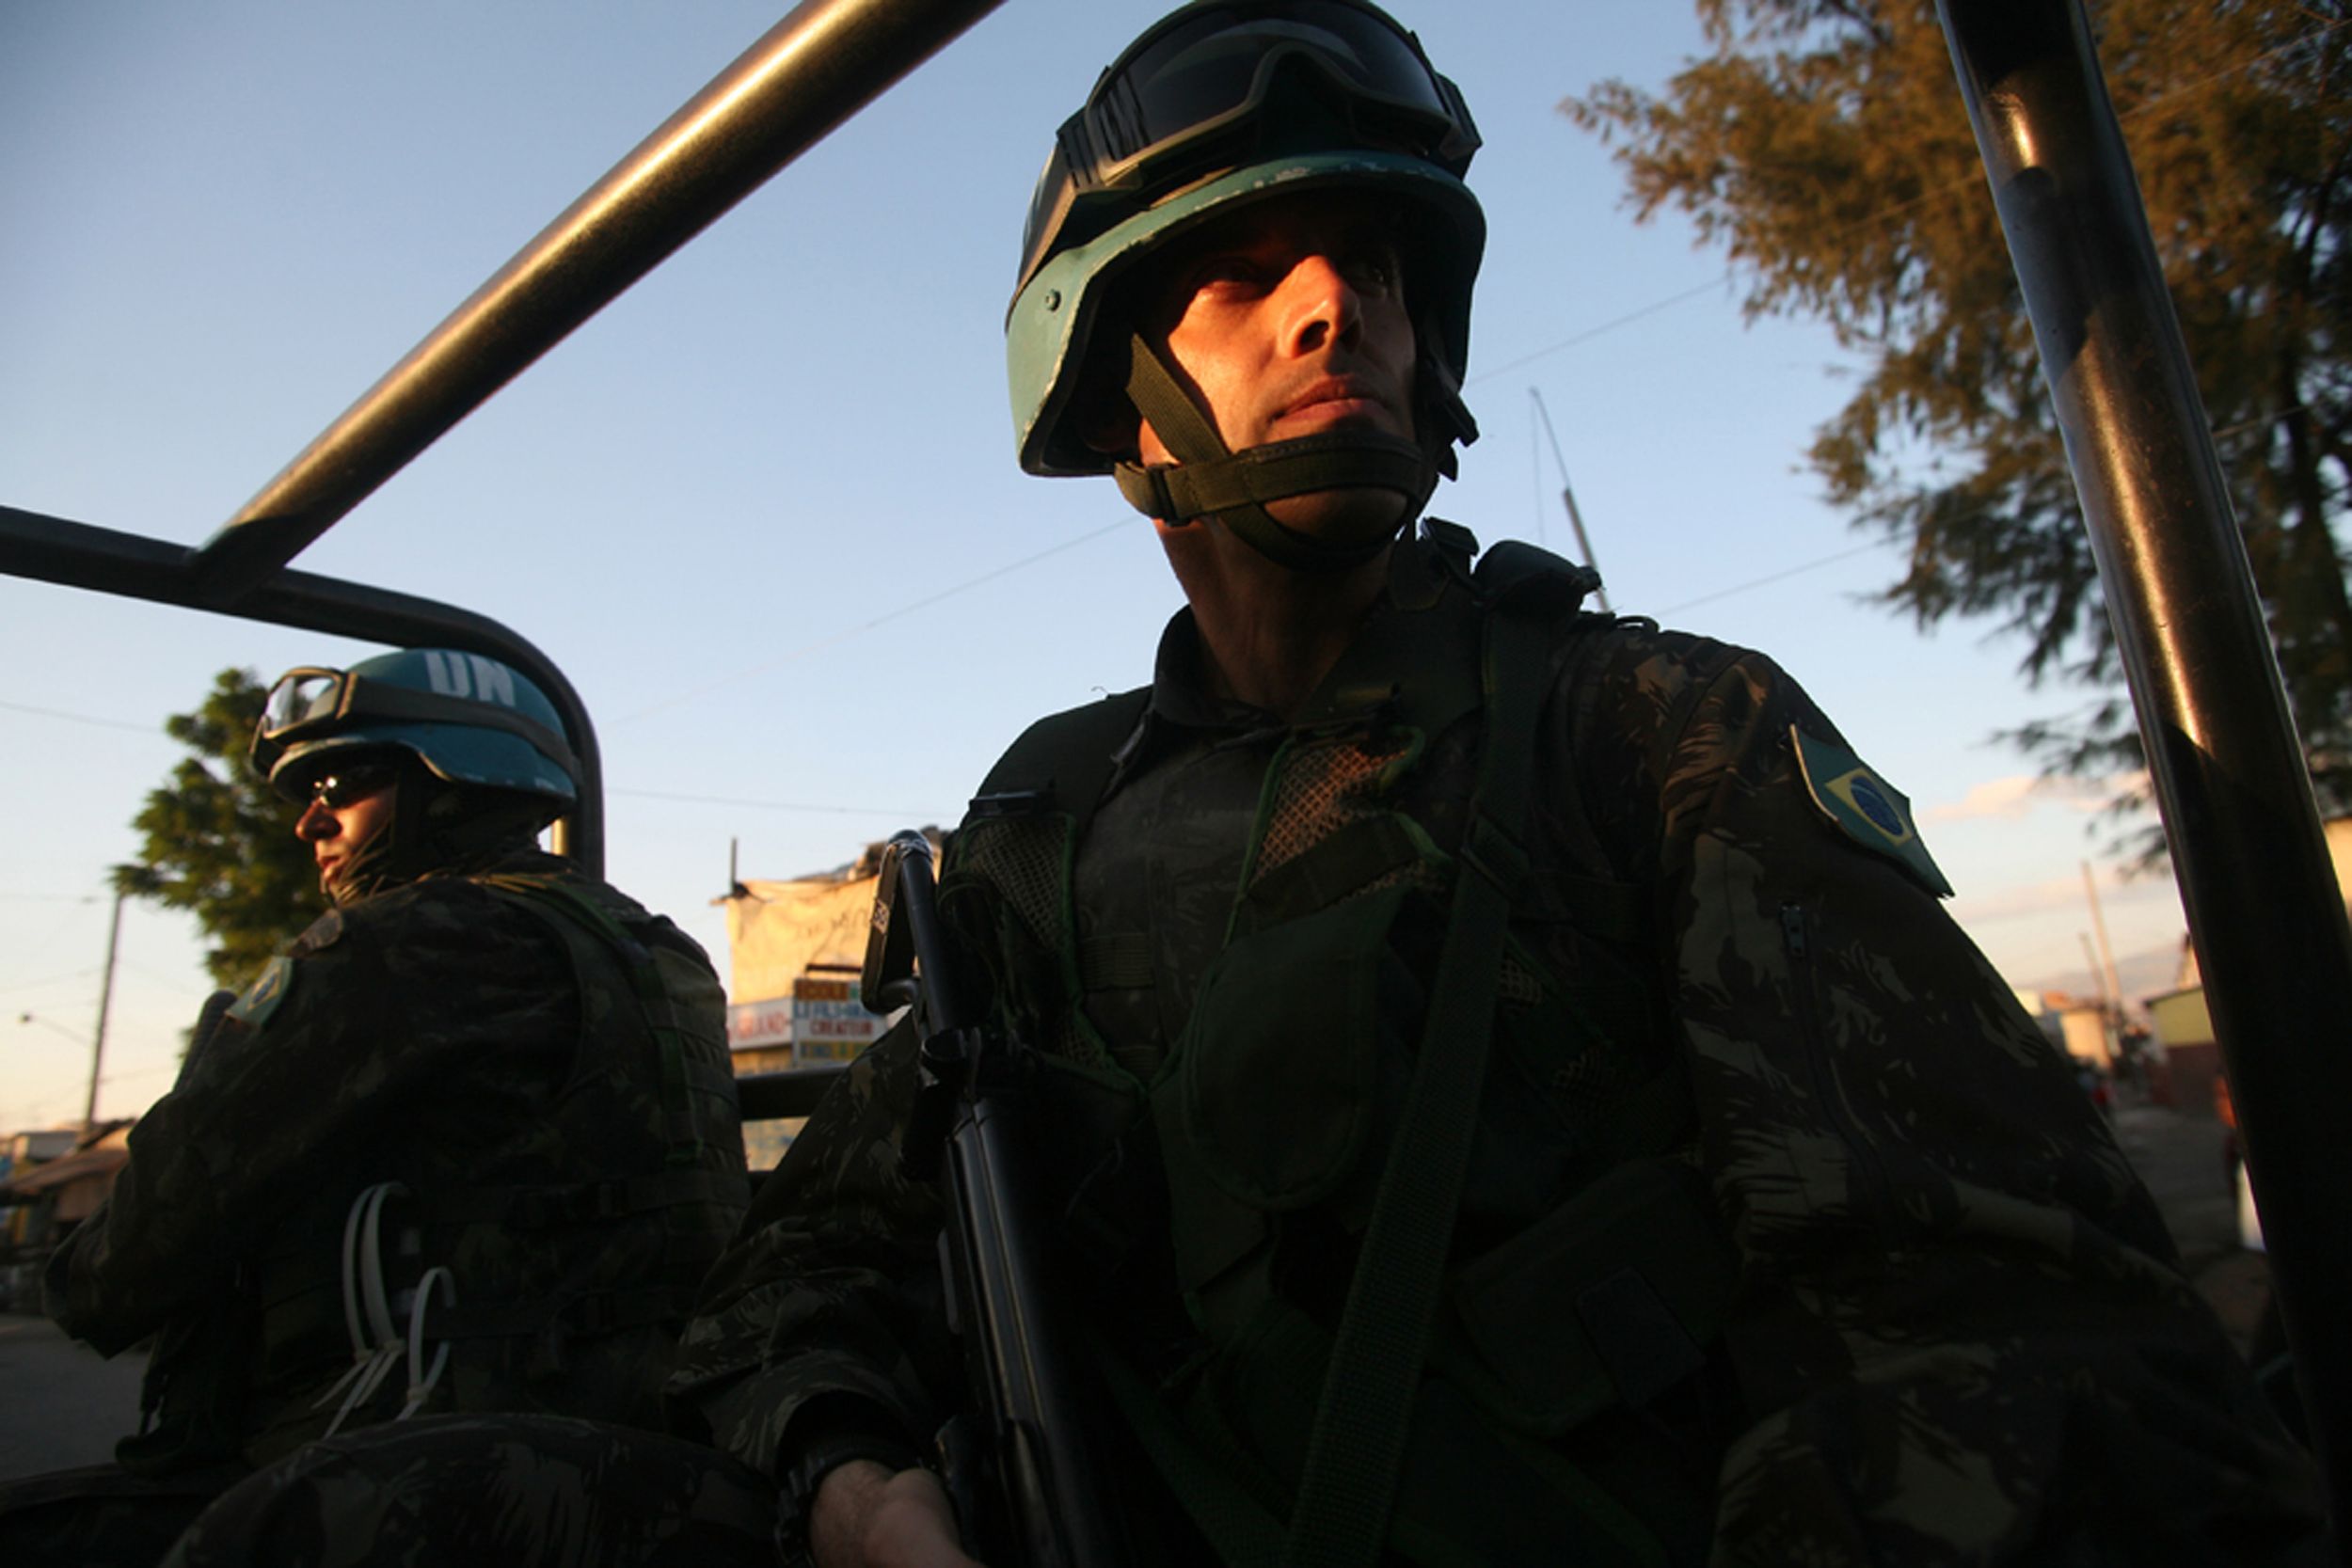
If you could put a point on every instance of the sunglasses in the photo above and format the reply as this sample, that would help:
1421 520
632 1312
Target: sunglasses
348 787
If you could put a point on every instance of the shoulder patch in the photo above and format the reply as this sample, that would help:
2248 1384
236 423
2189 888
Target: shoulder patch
1865 807
262 997
322 932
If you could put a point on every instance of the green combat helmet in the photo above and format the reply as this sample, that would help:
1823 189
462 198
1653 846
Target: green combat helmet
472 721
1220 105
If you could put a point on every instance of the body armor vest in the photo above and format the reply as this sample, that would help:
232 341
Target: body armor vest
563 1298
1583 1278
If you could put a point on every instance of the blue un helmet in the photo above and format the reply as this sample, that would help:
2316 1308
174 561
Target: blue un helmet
1218 105
469 719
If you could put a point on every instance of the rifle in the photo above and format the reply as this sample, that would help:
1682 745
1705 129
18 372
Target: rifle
1019 1464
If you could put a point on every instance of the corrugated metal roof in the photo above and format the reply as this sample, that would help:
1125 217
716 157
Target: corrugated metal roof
103 1161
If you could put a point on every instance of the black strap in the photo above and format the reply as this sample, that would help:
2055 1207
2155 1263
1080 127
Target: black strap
1210 477
375 699
568 906
1341 1516
1064 760
589 1312
579 1203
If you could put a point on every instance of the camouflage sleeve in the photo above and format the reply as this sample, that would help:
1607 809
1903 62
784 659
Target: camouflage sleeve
420 1014
1961 1319
830 1297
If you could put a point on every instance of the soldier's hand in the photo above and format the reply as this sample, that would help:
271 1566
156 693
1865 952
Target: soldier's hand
869 1516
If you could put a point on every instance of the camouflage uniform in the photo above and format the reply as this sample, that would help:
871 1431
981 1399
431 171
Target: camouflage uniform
540 1068
1918 1310
520 1491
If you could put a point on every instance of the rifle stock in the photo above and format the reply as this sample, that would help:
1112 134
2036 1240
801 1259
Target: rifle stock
1020 1464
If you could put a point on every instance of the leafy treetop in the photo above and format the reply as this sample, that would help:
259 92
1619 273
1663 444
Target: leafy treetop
1823 144
219 842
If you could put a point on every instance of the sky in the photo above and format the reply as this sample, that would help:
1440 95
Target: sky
763 510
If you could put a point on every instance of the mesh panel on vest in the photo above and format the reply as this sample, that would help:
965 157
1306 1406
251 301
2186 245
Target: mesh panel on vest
1324 786
1022 858
1517 986
1595 1082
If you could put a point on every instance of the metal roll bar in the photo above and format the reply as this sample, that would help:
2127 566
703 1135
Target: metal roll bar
781 96
800 80
75 555
2263 907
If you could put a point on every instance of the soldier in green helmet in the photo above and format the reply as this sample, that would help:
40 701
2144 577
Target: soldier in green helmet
466 1146
1516 1096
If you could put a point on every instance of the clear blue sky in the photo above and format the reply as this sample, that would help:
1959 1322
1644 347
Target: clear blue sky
223 222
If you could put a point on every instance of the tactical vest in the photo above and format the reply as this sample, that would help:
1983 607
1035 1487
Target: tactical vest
563 1298
1575 1281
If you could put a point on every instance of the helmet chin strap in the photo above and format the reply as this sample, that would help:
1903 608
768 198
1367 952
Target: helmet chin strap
1207 478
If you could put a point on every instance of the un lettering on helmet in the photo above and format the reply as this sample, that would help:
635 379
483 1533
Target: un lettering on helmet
470 676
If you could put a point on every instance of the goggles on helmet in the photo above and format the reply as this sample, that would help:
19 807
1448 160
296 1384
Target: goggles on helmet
311 704
1178 101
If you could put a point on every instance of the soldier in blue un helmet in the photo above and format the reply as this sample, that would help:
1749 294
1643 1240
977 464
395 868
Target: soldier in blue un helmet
466 1146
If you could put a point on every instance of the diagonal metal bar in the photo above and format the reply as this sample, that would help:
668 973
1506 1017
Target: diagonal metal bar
803 78
2261 898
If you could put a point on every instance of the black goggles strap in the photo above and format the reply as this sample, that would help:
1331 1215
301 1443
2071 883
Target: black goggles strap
1199 75
1208 478
364 699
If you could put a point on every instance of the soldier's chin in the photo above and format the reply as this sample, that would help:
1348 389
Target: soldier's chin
1358 516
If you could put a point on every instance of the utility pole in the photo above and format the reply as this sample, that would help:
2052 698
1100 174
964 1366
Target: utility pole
2098 980
2106 953
106 1000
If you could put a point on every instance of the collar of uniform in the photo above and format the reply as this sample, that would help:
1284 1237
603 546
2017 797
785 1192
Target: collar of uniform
1415 663
1185 709
1181 693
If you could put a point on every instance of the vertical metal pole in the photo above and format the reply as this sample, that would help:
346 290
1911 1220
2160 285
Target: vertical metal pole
2256 882
2098 976
2114 984
1568 497
106 1001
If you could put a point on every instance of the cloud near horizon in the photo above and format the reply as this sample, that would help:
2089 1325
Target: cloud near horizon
2059 892
2018 794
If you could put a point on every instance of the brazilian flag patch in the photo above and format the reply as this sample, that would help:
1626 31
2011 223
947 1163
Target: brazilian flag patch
262 997
1865 808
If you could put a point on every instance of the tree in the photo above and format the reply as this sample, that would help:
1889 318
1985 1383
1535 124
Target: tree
220 843
1824 145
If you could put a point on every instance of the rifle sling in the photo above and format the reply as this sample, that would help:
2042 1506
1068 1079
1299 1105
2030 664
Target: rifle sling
1341 1515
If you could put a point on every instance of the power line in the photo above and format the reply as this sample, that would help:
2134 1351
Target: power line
52 980
883 619
777 805
1591 332
166 979
82 719
1790 572
139 1072
2258 421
